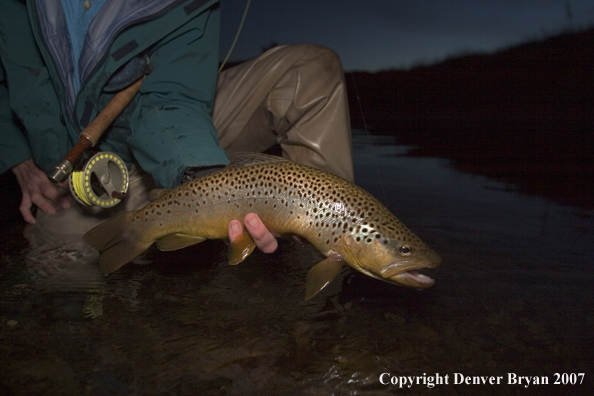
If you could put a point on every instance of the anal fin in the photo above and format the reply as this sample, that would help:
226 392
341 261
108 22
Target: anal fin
240 248
322 274
178 241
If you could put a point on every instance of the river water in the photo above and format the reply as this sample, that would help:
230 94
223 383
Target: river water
513 298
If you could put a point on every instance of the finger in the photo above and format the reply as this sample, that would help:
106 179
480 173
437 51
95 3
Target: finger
263 238
63 201
43 204
52 193
25 209
63 184
235 229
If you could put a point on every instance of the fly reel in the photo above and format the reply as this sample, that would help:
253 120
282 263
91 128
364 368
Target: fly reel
103 181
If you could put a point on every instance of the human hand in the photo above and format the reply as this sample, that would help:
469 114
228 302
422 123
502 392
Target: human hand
37 190
264 239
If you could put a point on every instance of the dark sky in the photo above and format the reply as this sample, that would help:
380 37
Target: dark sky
384 34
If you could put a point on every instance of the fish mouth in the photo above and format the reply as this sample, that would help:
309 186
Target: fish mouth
406 274
413 278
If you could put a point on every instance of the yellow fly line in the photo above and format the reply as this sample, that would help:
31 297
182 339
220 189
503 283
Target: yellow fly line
109 172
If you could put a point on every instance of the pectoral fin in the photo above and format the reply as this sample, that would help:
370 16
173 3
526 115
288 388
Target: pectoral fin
240 248
322 274
177 241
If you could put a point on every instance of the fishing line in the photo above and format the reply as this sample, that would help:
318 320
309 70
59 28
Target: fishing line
247 6
369 139
103 181
78 185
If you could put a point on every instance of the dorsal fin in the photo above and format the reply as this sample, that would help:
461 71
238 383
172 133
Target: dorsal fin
241 159
157 193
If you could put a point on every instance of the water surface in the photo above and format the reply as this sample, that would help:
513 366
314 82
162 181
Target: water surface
513 295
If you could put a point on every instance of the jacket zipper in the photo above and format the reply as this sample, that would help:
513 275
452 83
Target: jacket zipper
145 19
69 114
64 87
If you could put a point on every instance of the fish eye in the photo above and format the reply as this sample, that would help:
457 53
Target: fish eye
405 250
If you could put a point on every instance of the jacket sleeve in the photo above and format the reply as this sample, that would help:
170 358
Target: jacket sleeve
14 147
30 123
172 128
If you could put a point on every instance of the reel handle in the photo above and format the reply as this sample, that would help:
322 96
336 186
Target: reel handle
91 134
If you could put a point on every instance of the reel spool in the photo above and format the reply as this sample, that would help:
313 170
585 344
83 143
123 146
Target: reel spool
102 182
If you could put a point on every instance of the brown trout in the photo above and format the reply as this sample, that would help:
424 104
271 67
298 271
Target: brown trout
342 221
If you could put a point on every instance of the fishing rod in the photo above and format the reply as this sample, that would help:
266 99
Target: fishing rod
103 181
377 168
245 11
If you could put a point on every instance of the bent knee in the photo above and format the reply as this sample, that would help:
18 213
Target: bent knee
323 59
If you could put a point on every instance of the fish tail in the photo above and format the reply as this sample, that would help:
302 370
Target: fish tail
116 244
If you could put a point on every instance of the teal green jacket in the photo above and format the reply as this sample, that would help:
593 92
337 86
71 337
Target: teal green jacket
167 127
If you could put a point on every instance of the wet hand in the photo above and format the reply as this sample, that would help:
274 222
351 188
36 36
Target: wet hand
265 239
37 190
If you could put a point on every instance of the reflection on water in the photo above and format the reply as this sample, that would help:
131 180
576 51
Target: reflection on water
513 295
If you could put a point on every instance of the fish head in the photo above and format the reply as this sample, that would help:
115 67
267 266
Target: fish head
393 260
405 260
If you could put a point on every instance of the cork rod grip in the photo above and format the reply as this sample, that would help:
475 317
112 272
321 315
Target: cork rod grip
110 112
91 134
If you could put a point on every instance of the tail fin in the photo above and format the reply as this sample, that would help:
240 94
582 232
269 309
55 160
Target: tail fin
115 243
